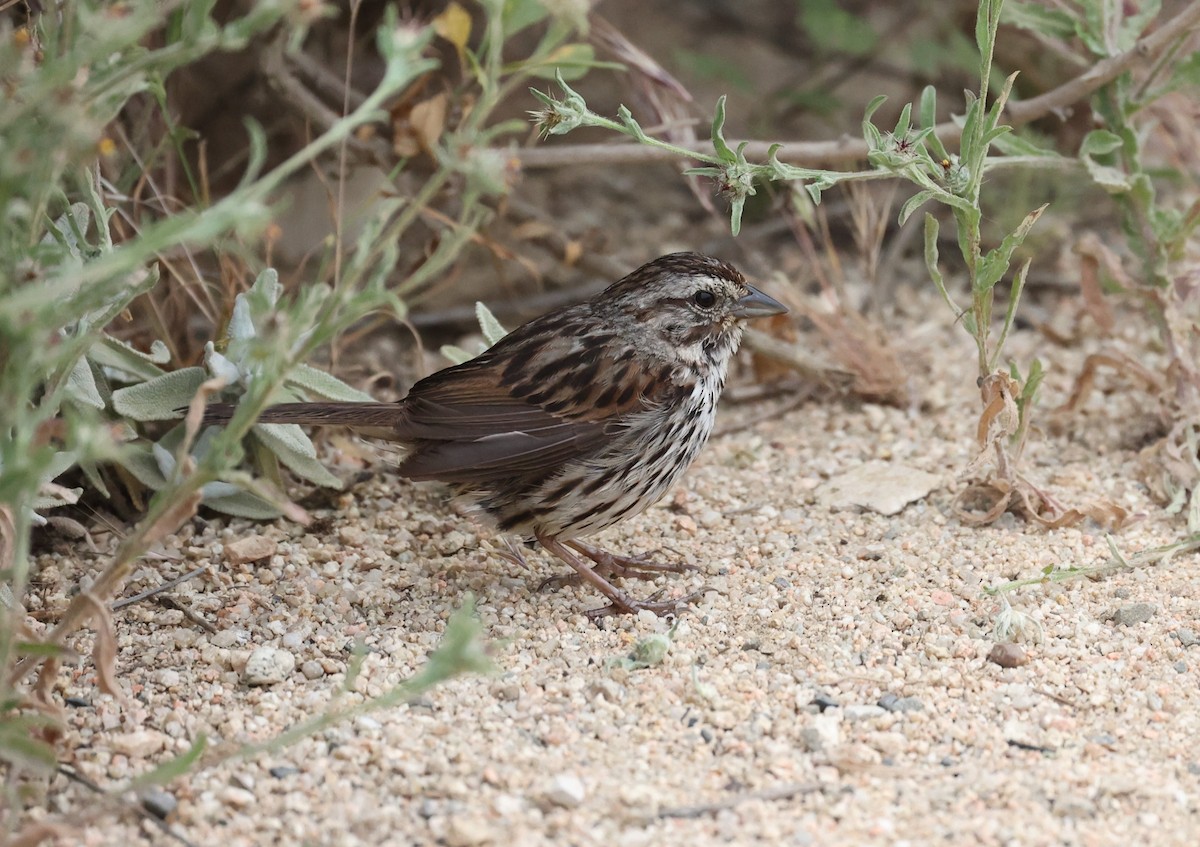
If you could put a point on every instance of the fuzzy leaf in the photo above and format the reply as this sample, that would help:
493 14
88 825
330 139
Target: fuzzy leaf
455 354
724 153
243 504
325 385
129 363
488 325
81 385
140 461
158 399
294 449
1035 17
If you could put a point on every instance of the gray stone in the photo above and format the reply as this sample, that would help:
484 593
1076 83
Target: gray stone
1136 613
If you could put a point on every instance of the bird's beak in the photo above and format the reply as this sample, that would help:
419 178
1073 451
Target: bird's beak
757 305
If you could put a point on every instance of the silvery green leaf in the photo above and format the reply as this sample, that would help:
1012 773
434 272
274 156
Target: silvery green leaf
56 496
141 462
81 385
293 448
243 504
216 490
325 385
69 228
159 398
165 460
126 364
491 328
219 365
455 354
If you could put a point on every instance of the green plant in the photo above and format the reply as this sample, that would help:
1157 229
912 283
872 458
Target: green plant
77 401
952 180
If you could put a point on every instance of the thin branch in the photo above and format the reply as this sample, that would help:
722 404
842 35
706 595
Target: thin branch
848 149
158 589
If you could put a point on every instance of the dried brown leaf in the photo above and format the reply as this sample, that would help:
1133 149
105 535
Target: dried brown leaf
104 653
428 121
42 831
1093 254
1000 417
1117 361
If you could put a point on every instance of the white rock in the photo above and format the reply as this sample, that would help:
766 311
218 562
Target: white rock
139 744
468 831
566 791
268 665
883 487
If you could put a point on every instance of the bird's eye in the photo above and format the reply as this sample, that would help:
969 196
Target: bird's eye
704 299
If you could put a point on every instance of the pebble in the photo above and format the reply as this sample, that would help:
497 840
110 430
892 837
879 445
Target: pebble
159 803
823 702
1136 613
250 549
1187 637
239 798
823 732
1008 655
895 703
229 637
1180 666
1072 806
565 791
312 669
863 712
467 831
139 744
282 771
268 665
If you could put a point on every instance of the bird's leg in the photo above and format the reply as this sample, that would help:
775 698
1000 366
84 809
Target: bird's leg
633 567
612 564
619 603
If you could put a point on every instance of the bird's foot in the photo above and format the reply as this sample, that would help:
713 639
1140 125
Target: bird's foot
628 606
631 567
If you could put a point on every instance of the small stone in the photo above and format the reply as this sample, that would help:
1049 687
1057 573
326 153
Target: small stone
863 712
268 665
312 669
1187 637
467 831
229 637
159 803
565 791
1008 655
250 549
239 798
1072 806
1180 666
139 744
452 542
823 732
1136 613
283 771
895 703
823 702
877 486
78 702
243 780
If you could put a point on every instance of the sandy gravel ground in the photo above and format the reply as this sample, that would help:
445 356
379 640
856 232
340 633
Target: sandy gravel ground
834 689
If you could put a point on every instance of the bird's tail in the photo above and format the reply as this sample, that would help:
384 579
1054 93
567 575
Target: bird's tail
373 415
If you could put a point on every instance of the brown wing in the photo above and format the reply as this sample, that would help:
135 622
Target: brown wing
505 415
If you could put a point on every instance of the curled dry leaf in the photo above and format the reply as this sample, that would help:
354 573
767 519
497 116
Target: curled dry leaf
104 653
1000 417
1117 361
1094 254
